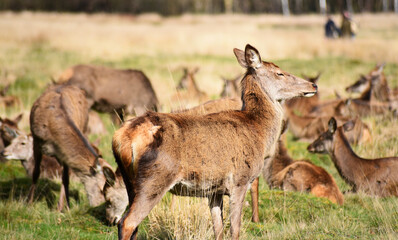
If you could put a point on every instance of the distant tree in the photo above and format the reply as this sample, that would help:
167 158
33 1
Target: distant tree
285 7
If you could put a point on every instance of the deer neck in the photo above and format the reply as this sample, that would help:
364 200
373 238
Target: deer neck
262 110
344 158
278 162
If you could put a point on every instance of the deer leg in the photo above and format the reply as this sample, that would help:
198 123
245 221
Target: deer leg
254 196
64 189
142 204
236 203
37 155
216 206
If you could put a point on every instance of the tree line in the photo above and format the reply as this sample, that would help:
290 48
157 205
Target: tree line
176 7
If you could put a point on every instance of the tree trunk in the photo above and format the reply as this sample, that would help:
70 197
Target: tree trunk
228 5
349 6
322 6
285 7
385 5
396 6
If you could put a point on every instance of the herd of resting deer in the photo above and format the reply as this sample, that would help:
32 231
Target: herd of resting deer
217 148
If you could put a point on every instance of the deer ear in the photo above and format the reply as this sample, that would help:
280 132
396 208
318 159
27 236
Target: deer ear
348 126
380 68
110 176
252 56
315 79
18 119
332 125
240 56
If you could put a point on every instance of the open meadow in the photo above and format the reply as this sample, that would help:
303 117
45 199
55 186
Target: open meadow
37 47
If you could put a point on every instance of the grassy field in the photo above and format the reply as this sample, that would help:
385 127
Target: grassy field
35 47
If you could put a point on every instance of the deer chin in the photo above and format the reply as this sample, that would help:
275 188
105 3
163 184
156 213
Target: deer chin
309 94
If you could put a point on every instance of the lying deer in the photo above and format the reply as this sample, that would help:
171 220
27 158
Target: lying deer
373 176
111 90
357 107
308 128
282 172
209 155
373 86
57 119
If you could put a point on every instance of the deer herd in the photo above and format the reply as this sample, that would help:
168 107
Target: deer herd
217 148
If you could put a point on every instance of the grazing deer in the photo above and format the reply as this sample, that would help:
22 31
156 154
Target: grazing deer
305 105
373 87
57 119
282 172
111 90
308 128
231 87
187 89
373 176
208 155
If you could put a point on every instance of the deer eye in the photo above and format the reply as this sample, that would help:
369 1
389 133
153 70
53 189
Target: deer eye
23 143
279 74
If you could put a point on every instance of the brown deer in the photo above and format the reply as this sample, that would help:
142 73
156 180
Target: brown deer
308 128
361 108
57 119
21 148
187 89
231 87
95 124
8 100
373 176
305 105
111 90
282 172
208 155
373 86
8 131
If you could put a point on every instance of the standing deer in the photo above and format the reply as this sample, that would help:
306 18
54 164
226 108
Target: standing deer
305 105
231 87
57 119
373 176
113 91
8 131
208 155
187 89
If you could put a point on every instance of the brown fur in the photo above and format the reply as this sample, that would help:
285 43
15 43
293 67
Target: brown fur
357 107
8 131
8 100
187 89
308 128
209 155
57 120
283 172
113 90
231 87
373 176
95 124
373 86
305 106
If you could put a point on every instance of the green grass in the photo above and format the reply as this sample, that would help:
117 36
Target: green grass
283 215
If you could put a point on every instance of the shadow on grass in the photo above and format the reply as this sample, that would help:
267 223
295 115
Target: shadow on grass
18 188
99 213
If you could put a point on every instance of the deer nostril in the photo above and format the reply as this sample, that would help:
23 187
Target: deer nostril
314 86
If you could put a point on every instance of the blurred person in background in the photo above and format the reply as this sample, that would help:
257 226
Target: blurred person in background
348 26
331 30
